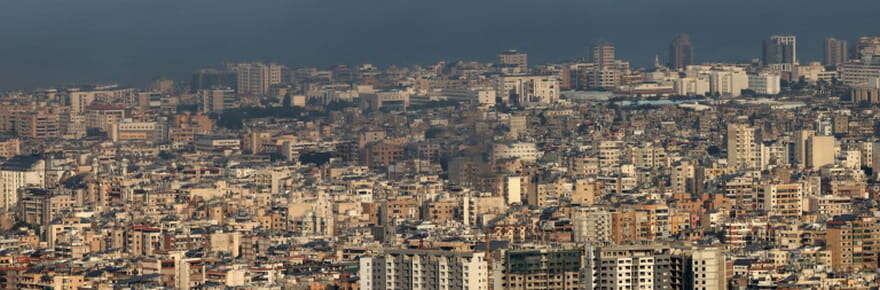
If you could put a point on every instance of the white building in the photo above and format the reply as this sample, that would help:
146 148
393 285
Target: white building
519 150
692 86
728 82
592 225
17 173
424 269
765 83
529 89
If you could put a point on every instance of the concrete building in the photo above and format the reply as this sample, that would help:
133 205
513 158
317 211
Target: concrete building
217 100
424 269
542 269
591 225
820 151
17 173
781 50
836 52
528 89
519 150
602 53
653 267
681 52
514 58
40 124
742 146
784 200
852 239
765 83
256 78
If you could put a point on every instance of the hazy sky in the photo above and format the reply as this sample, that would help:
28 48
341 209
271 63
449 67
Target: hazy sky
48 42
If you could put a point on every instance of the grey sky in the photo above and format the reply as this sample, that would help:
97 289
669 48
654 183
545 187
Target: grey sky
46 42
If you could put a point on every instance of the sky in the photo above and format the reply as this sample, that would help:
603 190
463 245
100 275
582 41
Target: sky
63 42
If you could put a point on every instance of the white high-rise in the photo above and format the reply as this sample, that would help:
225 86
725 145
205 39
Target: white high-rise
17 173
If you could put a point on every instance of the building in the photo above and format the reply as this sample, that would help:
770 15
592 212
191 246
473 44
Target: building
853 240
681 52
424 269
591 225
866 47
39 206
653 267
256 78
217 100
130 130
729 83
602 53
217 142
520 150
820 151
800 145
10 147
780 52
743 142
542 269
765 83
836 52
514 58
102 117
40 124
528 89
784 200
20 172
860 73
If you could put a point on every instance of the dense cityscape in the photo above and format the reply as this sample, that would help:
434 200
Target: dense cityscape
585 174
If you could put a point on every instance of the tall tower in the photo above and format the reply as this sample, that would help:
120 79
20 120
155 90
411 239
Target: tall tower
780 49
836 52
681 52
255 78
603 53
742 145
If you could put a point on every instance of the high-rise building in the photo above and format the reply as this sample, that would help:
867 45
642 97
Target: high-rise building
514 58
591 225
653 267
742 146
800 145
783 200
20 172
255 78
866 47
540 269
424 269
853 241
681 52
836 52
820 151
41 124
780 51
603 53
217 100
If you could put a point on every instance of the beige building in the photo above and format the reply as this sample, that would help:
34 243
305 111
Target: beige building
742 145
820 151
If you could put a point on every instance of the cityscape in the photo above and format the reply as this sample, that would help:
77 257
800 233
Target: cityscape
588 173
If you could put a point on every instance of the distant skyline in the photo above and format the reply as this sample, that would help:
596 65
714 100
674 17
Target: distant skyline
51 42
